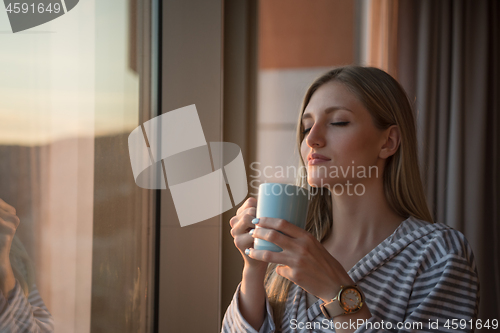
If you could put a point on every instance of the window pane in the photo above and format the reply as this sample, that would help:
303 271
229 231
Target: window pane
70 96
294 49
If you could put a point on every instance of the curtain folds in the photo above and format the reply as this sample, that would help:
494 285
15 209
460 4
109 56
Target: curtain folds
448 62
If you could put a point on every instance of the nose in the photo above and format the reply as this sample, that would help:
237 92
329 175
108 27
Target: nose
316 137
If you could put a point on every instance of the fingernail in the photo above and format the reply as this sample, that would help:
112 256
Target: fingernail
251 232
255 220
247 252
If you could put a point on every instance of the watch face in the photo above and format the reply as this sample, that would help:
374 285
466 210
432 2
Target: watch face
350 299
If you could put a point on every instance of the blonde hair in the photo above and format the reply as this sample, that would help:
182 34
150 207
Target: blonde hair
388 105
22 266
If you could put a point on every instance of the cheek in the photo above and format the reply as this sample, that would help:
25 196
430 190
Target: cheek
361 146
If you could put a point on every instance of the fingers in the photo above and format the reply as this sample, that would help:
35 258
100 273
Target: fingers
249 207
243 222
5 206
284 226
235 219
243 241
273 236
8 222
284 271
267 256
250 202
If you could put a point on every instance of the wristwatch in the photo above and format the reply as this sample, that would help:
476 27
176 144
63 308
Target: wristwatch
349 300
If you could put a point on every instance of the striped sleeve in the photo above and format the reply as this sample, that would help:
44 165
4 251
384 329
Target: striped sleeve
445 292
19 314
234 322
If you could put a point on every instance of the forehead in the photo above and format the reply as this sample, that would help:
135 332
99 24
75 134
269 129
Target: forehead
332 95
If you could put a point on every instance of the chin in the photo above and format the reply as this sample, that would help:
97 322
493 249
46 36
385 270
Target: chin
318 182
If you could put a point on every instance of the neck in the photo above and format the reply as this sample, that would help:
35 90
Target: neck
362 221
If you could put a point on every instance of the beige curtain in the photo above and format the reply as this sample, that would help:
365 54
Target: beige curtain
382 32
448 61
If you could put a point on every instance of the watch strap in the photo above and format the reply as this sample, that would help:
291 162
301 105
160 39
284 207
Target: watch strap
332 309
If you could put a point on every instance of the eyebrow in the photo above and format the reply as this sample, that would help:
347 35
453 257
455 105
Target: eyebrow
327 111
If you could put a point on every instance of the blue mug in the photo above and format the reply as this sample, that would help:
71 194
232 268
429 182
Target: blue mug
282 201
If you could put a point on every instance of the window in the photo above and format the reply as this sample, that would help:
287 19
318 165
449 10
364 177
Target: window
72 90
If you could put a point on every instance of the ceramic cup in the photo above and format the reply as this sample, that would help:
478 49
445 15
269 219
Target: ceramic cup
282 201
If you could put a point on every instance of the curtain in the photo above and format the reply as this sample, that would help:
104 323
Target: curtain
382 32
448 62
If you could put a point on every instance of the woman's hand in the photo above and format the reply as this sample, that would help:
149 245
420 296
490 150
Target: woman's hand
8 226
303 260
252 298
241 224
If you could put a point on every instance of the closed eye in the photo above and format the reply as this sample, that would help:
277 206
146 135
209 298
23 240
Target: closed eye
340 123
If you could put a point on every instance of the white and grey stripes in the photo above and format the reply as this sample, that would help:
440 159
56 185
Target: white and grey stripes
423 273
19 314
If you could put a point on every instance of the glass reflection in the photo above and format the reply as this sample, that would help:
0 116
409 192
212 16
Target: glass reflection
82 252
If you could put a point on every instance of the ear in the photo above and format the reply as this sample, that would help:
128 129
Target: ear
392 138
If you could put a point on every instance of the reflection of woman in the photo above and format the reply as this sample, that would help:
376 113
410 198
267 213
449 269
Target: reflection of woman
371 260
21 308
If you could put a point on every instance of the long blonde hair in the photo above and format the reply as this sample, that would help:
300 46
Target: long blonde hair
388 105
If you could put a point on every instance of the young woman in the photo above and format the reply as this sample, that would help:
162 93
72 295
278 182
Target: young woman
371 258
21 307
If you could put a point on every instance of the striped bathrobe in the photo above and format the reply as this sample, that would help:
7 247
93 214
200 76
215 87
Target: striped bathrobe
418 279
21 314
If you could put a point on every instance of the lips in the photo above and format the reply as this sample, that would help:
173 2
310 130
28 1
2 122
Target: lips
316 156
